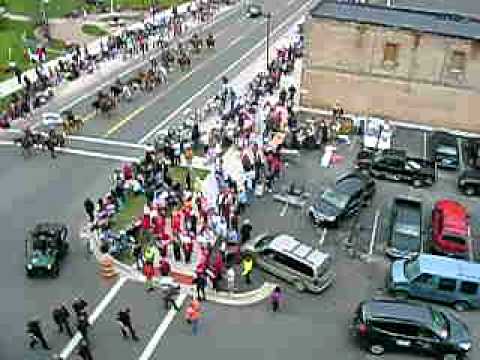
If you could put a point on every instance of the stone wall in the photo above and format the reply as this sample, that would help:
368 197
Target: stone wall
345 62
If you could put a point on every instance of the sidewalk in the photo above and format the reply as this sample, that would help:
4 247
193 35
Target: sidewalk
11 85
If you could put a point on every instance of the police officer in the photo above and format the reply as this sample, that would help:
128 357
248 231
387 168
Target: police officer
35 332
125 322
60 317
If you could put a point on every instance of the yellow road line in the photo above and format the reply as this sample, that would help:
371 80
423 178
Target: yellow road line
125 120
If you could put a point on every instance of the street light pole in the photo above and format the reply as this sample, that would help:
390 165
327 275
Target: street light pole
268 16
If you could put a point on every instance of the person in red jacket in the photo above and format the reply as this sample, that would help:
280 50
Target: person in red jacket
176 222
164 267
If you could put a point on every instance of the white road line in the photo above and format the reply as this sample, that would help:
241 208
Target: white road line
67 351
132 69
102 141
284 210
291 2
98 155
374 232
323 237
425 145
220 75
6 142
162 328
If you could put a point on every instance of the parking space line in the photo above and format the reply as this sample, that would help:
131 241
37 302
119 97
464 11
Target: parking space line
162 328
374 232
67 351
425 145
323 236
284 210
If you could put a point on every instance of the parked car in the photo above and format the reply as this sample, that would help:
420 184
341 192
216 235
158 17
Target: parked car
284 256
395 165
450 229
405 231
469 182
254 10
381 325
445 150
45 247
350 193
438 278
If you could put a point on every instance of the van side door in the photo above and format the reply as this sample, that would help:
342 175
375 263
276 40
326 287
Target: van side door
469 291
423 286
446 290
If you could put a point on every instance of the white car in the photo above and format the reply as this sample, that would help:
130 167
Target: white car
378 135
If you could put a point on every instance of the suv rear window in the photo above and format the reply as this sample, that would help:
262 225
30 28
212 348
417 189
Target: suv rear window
293 264
469 288
454 239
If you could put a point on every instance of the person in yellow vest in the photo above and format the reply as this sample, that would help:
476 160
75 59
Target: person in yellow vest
247 265
149 257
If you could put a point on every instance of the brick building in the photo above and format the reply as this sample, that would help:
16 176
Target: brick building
401 64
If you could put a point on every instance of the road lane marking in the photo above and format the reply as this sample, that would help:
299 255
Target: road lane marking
291 2
142 108
323 236
71 104
98 155
102 141
284 210
374 232
67 351
162 328
223 73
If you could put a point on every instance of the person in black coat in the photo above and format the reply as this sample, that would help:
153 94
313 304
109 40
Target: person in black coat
35 332
84 351
125 322
82 327
79 306
245 231
89 209
60 317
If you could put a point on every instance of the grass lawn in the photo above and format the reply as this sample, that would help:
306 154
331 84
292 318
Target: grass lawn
11 33
145 4
93 30
133 207
56 8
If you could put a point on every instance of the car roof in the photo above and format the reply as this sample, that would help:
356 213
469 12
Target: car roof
350 183
455 217
288 245
471 173
398 310
445 266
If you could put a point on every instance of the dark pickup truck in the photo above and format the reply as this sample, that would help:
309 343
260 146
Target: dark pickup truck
404 237
445 150
395 165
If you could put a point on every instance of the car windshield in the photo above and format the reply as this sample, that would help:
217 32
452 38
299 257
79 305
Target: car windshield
335 198
412 269
446 150
455 239
439 324
263 242
40 244
406 236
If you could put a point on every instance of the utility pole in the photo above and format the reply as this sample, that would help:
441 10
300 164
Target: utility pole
268 16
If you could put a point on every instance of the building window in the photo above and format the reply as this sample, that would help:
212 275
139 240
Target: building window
458 61
390 55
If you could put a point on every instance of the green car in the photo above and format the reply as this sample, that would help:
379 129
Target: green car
45 247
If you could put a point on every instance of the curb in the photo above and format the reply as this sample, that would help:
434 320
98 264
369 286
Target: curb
241 299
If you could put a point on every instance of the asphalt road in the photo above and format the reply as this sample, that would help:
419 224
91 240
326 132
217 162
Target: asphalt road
41 188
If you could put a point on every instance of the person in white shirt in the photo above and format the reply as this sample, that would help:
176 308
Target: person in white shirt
231 279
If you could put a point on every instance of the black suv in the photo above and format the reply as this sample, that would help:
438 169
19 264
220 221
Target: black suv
391 324
350 193
469 182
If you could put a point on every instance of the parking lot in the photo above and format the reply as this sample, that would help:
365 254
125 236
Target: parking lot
357 245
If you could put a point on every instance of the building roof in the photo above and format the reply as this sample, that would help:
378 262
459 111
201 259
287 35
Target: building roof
433 22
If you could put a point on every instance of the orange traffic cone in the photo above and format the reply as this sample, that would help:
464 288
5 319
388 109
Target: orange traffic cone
107 270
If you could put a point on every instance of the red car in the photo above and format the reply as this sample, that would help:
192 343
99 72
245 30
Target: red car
450 228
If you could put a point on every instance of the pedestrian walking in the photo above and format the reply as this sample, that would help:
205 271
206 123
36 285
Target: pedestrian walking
79 307
276 298
247 265
192 315
168 298
84 351
34 331
125 322
89 209
201 282
245 231
177 250
82 327
60 317
231 279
